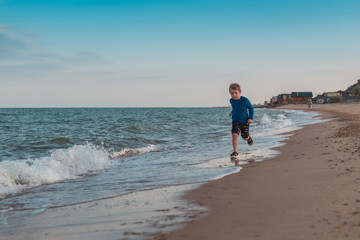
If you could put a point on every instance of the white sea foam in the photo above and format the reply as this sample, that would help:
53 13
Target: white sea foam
216 163
127 152
61 165
279 122
259 154
275 123
244 157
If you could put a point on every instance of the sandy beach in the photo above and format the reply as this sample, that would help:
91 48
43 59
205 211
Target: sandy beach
310 191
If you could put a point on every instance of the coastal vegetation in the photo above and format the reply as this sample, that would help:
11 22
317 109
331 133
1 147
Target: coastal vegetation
355 89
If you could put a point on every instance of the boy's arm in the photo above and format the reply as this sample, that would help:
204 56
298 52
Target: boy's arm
251 112
230 114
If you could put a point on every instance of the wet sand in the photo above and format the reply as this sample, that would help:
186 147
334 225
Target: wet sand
310 191
132 216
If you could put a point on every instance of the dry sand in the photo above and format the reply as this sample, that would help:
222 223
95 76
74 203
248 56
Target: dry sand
310 191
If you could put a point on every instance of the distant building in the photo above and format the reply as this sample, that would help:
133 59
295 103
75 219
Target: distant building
300 97
332 94
319 99
274 100
283 98
329 95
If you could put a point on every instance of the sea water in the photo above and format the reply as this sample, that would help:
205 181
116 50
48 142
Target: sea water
58 157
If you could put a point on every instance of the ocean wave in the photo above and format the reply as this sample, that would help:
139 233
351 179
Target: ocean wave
280 121
128 152
61 165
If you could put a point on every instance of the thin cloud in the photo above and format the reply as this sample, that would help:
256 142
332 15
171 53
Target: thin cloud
15 41
20 48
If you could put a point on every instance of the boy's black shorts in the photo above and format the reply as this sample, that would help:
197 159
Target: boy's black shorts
242 128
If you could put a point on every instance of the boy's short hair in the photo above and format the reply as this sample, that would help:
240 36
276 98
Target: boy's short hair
235 86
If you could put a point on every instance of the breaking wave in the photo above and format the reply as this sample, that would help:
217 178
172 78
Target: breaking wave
127 152
62 164
280 121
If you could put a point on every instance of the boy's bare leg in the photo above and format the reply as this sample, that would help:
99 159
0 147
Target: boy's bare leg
235 141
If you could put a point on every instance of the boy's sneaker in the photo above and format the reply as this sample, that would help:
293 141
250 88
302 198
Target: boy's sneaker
250 141
234 155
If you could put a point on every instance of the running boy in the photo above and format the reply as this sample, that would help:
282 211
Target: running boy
242 114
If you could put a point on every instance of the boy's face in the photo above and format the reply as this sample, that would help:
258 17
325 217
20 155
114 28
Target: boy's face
235 94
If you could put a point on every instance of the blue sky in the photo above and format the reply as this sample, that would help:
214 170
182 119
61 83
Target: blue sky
157 53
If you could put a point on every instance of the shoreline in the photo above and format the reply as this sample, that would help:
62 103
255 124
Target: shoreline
309 191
